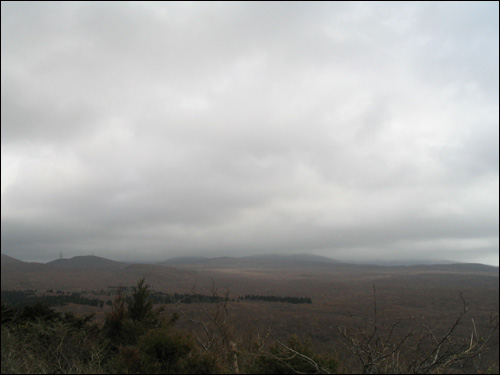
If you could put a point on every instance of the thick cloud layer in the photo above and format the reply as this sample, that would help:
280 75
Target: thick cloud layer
143 130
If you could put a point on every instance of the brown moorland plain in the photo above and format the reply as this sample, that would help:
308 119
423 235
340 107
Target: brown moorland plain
342 295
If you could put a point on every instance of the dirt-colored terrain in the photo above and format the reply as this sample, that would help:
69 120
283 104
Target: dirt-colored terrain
423 295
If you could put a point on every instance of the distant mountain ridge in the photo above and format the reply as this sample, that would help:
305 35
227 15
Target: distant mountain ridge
96 272
265 261
303 257
457 267
87 261
316 261
87 272
92 261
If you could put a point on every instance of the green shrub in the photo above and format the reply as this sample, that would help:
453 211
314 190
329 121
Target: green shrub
163 350
128 360
54 345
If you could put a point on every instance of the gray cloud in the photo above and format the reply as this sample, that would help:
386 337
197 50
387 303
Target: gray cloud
350 130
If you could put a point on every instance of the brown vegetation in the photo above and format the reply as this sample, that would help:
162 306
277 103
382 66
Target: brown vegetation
424 299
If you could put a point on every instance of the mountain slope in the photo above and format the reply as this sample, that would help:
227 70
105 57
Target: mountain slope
9 260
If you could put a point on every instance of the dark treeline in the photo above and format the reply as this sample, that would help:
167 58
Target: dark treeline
160 297
28 297
253 297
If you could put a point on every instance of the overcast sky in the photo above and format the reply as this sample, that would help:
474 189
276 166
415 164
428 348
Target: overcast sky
352 130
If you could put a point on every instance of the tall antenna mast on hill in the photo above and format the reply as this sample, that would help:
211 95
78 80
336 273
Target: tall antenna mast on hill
61 255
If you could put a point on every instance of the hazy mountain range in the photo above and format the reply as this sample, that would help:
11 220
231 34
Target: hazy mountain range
93 272
267 260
